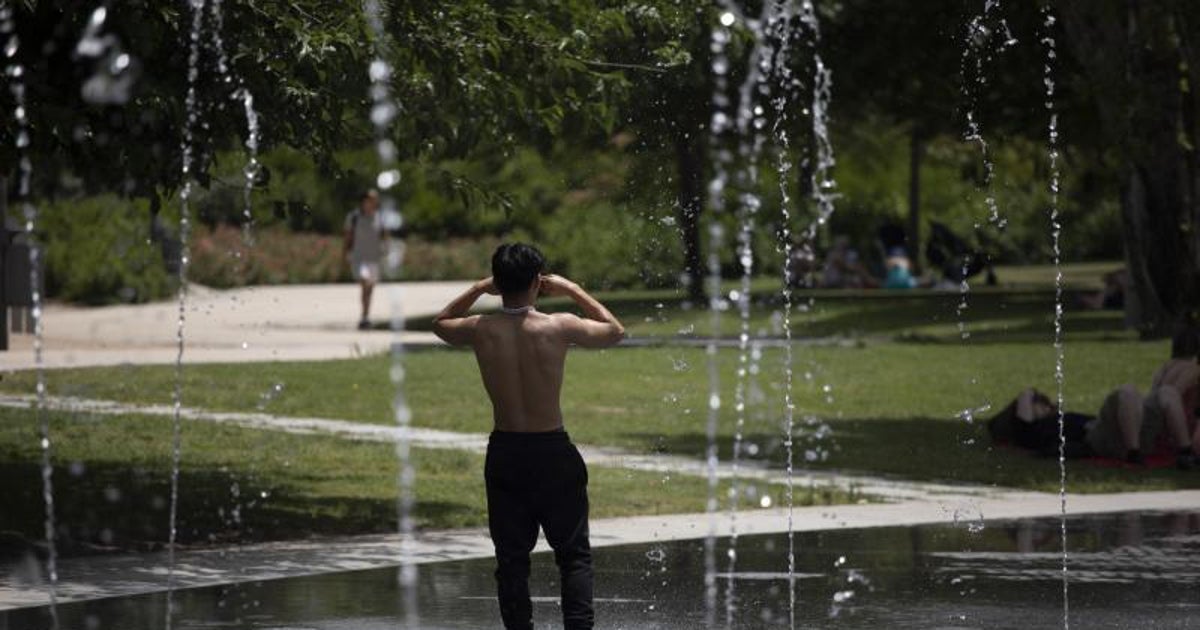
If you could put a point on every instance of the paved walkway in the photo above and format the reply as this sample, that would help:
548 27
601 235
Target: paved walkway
269 323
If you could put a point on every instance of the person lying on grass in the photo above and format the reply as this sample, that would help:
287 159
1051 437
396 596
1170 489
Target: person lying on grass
1030 422
1128 422
534 475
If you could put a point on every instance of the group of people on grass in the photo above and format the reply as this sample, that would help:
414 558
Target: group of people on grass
844 270
951 260
1130 425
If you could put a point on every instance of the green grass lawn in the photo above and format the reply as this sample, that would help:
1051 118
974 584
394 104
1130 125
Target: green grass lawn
891 408
1085 275
1019 309
890 401
989 315
112 476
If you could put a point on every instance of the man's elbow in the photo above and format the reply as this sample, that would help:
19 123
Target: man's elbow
442 331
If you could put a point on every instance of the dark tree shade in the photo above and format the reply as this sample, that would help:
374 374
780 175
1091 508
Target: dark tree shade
1142 62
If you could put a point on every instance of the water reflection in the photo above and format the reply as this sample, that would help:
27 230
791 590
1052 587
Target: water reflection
1128 570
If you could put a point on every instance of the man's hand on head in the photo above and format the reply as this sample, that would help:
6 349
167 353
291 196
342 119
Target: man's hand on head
488 286
556 285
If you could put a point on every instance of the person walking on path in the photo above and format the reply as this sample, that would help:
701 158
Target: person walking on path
363 248
534 475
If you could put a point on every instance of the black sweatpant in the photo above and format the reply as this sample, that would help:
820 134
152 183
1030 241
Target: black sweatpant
539 479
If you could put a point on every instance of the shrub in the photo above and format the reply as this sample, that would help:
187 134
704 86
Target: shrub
612 247
99 251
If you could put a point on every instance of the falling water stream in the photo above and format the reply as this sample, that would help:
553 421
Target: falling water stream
1048 40
16 85
749 123
823 191
242 95
764 63
788 84
823 185
251 169
977 53
982 30
719 127
384 109
186 150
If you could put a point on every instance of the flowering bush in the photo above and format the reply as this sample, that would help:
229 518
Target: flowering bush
228 257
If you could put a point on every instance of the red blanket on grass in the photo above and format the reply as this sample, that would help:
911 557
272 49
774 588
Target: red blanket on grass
1157 460
1162 457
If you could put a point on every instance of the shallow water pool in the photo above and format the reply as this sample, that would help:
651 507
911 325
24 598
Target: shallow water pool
1126 571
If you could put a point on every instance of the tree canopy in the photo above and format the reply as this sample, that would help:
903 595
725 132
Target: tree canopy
467 74
482 81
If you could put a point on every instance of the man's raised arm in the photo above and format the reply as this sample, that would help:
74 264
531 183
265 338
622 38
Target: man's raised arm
453 325
598 328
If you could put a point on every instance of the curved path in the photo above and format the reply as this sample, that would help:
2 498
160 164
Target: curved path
267 323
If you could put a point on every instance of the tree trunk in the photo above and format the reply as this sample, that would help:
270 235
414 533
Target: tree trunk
690 180
916 150
1136 56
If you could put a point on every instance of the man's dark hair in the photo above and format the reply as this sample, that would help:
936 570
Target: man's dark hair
1186 343
514 267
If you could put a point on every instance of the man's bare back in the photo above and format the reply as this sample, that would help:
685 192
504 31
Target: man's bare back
521 358
522 352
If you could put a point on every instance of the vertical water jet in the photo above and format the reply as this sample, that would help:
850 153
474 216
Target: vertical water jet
384 109
186 176
15 71
1056 228
719 126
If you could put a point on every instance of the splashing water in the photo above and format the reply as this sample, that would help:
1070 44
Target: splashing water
270 395
252 168
978 52
719 126
781 31
823 185
113 71
245 98
1048 40
186 148
749 123
823 191
16 85
981 31
383 112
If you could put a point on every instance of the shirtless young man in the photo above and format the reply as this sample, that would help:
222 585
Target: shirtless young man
534 475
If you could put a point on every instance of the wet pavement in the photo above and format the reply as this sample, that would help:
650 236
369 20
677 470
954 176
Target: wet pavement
1127 570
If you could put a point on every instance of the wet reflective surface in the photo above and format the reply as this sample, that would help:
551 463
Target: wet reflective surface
1127 571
